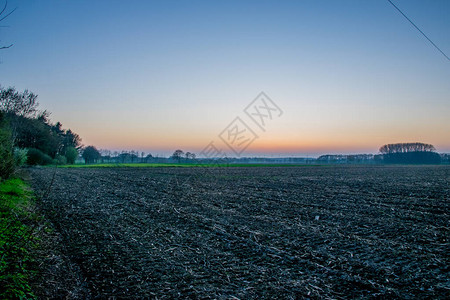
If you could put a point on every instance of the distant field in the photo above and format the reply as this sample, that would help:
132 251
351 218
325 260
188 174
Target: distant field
227 233
185 165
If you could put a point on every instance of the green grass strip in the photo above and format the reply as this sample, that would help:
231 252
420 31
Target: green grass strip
16 240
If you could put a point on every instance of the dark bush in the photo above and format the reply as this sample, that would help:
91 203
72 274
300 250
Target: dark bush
6 150
60 160
37 157
6 155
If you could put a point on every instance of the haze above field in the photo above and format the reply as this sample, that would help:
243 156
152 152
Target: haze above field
150 76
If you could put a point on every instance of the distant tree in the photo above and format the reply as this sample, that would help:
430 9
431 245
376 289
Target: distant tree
91 154
115 156
445 158
190 156
148 158
71 155
123 156
128 157
177 155
106 155
134 156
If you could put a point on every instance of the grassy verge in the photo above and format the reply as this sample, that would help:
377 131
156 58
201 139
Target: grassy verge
181 165
16 240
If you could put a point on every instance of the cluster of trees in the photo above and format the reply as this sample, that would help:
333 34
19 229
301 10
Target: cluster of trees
445 158
179 156
28 136
131 156
400 153
406 147
349 159
91 155
410 153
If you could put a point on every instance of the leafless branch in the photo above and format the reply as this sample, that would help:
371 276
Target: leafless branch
3 17
8 14
6 47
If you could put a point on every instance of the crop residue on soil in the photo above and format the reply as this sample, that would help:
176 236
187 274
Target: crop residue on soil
253 232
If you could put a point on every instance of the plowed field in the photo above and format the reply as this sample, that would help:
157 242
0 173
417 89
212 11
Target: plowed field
261 232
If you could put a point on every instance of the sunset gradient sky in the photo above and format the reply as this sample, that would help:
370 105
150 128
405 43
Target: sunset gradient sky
155 76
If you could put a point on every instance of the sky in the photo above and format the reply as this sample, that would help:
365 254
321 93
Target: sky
155 76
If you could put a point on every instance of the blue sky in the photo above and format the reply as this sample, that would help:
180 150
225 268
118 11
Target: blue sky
154 76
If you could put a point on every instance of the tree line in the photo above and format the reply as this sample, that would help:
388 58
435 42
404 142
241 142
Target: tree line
28 136
91 154
410 153
400 153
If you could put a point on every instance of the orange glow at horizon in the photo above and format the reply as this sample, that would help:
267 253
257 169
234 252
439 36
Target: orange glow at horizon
264 145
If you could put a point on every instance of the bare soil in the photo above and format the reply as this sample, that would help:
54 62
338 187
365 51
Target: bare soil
262 232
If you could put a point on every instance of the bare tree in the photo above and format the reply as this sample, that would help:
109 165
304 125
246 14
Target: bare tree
21 104
18 106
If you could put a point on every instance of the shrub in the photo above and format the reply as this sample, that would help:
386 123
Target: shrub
71 155
37 157
60 160
20 156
